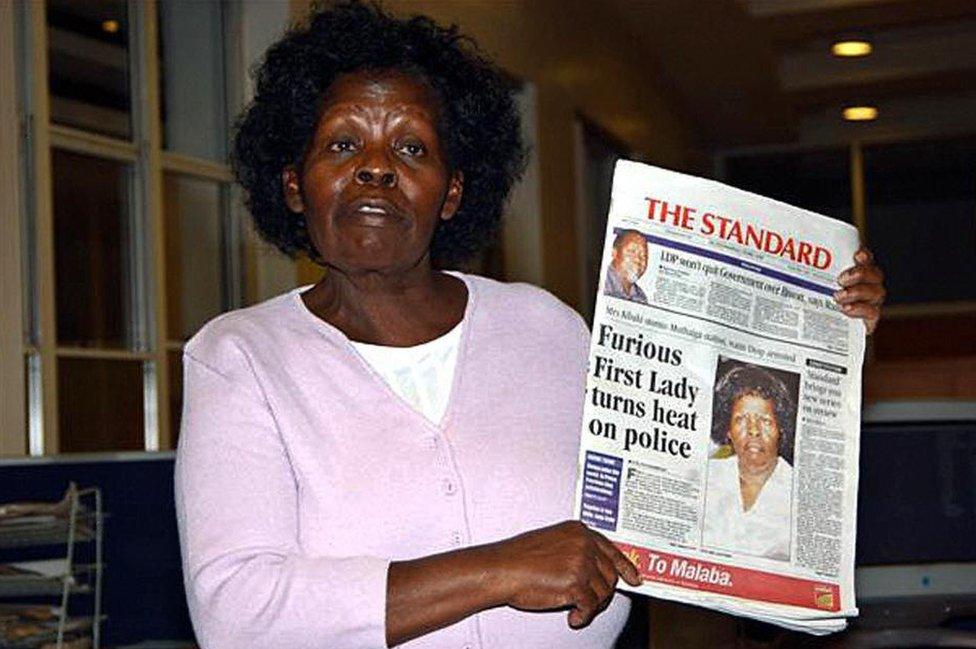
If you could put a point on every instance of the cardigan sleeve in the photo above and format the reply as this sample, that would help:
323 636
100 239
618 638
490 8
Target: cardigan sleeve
248 584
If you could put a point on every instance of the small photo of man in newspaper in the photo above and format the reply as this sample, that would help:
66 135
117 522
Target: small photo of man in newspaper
627 265
750 475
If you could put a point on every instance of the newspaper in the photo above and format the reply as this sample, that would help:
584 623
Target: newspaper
720 435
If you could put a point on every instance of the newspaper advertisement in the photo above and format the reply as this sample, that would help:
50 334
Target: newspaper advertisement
721 429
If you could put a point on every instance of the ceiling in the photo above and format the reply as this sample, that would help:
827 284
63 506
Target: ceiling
760 72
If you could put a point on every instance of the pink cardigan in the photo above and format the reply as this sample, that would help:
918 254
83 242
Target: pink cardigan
300 475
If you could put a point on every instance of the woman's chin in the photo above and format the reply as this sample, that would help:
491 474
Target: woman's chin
378 259
754 463
376 249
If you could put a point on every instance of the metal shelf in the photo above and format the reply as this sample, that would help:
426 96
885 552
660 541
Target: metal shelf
34 586
47 633
54 532
64 527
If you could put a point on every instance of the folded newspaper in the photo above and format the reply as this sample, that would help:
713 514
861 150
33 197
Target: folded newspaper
720 434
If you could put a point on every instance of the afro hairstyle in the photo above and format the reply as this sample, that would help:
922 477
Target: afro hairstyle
479 122
736 379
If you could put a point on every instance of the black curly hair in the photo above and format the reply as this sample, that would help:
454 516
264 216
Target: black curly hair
479 126
736 379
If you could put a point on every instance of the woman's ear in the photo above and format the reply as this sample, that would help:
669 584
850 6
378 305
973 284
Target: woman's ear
455 188
291 189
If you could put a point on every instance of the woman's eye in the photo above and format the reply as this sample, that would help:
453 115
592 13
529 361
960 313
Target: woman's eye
412 149
341 146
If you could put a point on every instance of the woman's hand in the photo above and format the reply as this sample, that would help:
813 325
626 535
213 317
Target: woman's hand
563 566
566 565
862 289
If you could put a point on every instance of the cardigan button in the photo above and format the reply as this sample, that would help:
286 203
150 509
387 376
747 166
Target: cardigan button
448 487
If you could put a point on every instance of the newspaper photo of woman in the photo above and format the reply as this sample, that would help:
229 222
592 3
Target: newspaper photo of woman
750 476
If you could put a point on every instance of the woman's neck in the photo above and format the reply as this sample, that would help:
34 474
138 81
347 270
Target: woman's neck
751 483
399 309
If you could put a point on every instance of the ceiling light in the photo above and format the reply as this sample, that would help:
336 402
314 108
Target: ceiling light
860 113
110 26
851 48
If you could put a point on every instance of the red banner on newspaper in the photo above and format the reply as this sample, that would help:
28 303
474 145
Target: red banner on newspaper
728 580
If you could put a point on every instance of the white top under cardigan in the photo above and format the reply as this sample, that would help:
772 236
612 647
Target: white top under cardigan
422 374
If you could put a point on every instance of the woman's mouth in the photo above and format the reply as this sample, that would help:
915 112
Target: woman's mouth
755 447
374 212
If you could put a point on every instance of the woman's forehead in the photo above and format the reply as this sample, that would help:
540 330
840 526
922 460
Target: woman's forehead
753 402
381 89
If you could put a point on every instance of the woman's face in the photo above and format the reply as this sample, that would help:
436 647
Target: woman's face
374 181
754 433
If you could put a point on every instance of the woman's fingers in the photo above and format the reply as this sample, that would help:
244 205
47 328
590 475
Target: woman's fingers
563 565
862 301
611 564
862 289
608 571
864 270
869 312
873 294
861 275
623 566
587 604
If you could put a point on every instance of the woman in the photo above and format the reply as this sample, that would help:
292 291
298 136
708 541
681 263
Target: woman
388 455
747 505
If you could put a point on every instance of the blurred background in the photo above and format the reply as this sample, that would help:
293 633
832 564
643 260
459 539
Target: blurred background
121 231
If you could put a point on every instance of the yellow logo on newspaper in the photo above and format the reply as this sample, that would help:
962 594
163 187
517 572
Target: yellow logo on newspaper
824 599
634 557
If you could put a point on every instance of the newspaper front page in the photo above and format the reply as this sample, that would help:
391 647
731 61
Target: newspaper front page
720 433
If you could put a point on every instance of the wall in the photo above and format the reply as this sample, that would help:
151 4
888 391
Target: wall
579 61
12 433
268 271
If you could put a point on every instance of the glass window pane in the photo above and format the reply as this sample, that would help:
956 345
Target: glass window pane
819 181
175 393
921 218
100 405
91 217
194 254
27 400
35 406
88 65
192 78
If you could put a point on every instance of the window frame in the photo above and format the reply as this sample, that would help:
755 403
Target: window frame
13 407
33 428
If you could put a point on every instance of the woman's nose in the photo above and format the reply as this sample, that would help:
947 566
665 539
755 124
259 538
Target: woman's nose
380 175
